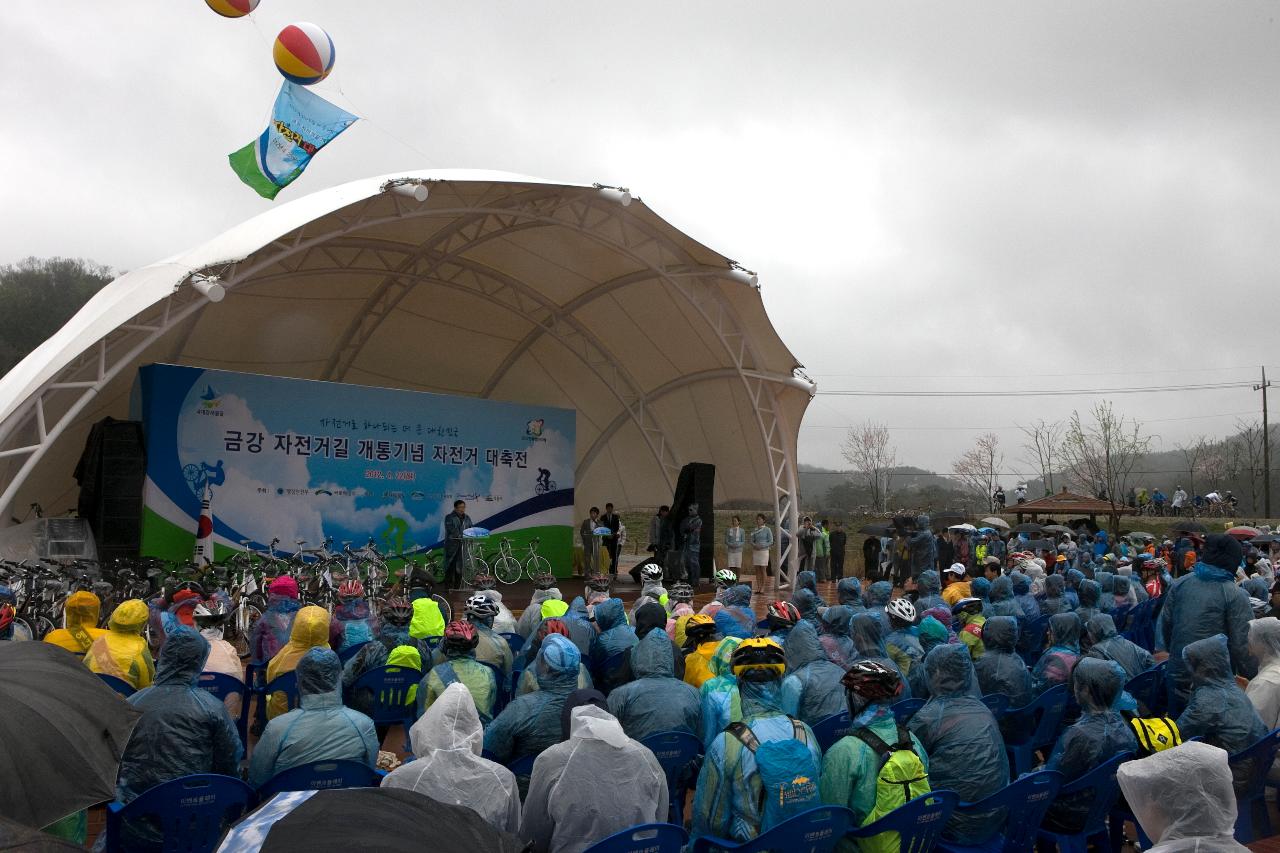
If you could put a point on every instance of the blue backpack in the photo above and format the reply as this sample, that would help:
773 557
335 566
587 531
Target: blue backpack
788 773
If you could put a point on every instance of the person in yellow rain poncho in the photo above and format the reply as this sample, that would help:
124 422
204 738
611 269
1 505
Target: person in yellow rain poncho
121 650
310 630
82 612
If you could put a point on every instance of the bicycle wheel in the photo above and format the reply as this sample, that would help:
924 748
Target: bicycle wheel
473 566
507 569
243 633
445 610
537 565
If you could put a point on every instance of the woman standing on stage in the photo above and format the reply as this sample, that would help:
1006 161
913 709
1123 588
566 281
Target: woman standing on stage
761 545
734 538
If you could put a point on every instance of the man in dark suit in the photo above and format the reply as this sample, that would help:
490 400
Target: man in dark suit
454 523
611 520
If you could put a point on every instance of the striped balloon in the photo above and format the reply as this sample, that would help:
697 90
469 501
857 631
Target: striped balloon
232 8
303 53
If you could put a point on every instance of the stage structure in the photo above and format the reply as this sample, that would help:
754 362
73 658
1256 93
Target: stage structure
470 283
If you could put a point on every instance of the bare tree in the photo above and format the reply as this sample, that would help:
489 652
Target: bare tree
1192 456
979 468
1215 463
1248 458
1104 451
1042 449
868 450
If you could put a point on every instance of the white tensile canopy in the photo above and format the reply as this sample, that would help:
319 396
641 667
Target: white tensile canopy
496 286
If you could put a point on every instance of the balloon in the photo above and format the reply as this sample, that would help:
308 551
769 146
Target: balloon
303 53
232 8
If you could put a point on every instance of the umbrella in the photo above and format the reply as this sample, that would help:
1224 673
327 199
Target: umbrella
1191 527
475 533
993 521
1057 528
389 820
15 836
1028 527
876 530
1266 539
1243 533
1138 534
62 732
966 528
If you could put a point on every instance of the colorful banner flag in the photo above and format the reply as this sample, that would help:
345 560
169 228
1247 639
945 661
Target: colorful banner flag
204 532
302 123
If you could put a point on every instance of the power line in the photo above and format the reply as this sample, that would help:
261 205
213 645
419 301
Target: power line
1016 426
1060 392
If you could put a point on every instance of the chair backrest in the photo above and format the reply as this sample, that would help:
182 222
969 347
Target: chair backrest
191 811
906 709
674 751
119 685
1025 801
997 702
831 729
604 673
1047 710
1101 782
919 823
646 838
515 641
390 686
1262 753
221 685
1149 689
286 684
523 767
351 651
814 831
319 776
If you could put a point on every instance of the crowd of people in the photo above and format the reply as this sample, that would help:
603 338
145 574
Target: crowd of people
597 679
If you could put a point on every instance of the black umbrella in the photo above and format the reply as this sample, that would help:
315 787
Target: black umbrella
1028 527
62 731
15 836
1056 528
1265 539
389 820
876 529
1191 527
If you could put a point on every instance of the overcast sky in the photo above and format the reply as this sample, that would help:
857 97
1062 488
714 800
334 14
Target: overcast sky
957 195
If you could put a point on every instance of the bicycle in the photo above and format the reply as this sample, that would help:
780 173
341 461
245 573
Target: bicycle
541 488
537 564
506 567
473 562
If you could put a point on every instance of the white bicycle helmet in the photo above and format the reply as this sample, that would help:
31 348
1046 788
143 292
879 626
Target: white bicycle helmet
651 572
902 609
482 606
724 577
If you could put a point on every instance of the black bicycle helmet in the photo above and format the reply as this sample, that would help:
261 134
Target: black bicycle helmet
967 605
872 681
681 593
544 581
598 583
211 614
398 611
484 582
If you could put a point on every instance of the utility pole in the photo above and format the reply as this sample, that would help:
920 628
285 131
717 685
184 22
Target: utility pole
1266 446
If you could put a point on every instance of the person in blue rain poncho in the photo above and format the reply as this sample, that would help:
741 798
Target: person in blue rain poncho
807 603
1202 604
1001 598
736 618
932 634
353 621
833 633
923 547
656 701
531 723
868 641
1001 669
849 593
544 590
809 580
960 735
929 587
183 730
719 698
903 642
878 596
1089 594
1218 711
1107 644
811 690
320 729
1100 734
1071 593
581 630
1106 585
615 636
1055 665
1054 602
1027 602
727 802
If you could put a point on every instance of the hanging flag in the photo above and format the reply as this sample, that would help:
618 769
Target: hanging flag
204 532
302 123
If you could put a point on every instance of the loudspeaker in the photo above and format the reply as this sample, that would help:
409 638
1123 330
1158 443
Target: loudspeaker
112 472
697 484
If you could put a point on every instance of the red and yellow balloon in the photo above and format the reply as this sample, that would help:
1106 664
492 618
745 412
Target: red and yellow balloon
232 8
303 53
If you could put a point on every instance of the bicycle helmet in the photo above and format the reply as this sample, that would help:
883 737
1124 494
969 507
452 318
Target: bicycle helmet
598 583
901 608
700 627
398 611
967 605
651 572
483 582
552 626
546 580
724 577
481 607
211 614
681 593
758 659
460 636
872 681
6 618
350 589
783 614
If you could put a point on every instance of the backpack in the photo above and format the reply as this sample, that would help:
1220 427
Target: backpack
901 778
788 773
1154 734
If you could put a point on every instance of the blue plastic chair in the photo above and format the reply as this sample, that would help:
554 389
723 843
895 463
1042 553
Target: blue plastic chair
1045 714
522 768
831 729
998 703
390 686
192 812
1149 689
1031 640
919 823
351 651
815 831
646 838
320 776
905 709
675 751
119 685
1101 783
515 641
432 641
221 686
1024 803
1252 820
